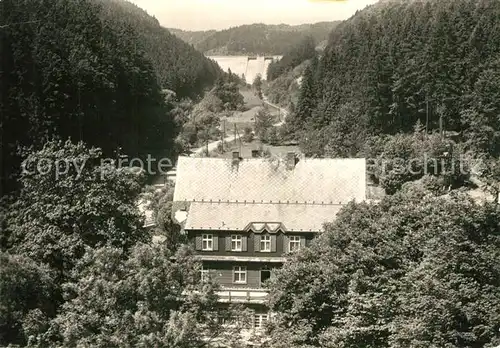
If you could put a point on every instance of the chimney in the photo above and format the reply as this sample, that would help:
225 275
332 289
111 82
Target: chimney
236 158
255 153
290 160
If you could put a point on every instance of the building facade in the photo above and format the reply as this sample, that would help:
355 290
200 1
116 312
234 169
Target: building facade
244 216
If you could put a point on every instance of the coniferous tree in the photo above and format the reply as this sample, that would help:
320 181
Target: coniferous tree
59 81
409 62
257 85
307 100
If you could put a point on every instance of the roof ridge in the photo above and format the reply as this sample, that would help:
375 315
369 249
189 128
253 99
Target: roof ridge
264 202
277 157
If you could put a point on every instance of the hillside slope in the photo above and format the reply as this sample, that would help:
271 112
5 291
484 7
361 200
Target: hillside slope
398 63
91 71
284 90
192 37
179 66
259 39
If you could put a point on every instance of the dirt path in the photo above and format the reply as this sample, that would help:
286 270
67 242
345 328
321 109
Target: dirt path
213 145
283 112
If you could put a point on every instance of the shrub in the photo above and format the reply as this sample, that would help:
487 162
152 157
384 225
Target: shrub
248 135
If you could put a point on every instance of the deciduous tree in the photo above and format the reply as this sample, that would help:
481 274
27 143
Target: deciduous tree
72 198
413 271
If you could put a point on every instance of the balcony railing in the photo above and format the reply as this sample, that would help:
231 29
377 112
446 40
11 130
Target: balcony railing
242 295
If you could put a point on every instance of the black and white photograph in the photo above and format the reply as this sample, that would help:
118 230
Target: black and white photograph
250 173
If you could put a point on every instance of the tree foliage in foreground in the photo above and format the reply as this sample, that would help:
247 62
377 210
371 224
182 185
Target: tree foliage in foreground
134 300
70 200
58 214
77 267
26 296
414 271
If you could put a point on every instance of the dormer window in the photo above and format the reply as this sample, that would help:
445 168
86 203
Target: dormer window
236 243
265 243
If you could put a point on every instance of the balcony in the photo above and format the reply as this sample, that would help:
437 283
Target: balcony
258 259
242 295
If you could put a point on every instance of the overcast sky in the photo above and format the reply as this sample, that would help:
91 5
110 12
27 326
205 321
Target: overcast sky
222 14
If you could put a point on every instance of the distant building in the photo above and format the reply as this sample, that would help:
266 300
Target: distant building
244 216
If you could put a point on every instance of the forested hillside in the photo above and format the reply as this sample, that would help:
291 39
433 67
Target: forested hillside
179 67
294 56
284 90
399 64
192 37
257 38
92 71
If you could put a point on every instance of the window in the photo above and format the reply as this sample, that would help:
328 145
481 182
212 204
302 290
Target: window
239 274
265 274
207 242
265 243
294 243
205 272
259 320
236 243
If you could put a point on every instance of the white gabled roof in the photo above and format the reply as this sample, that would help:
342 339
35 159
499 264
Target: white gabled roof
249 216
315 181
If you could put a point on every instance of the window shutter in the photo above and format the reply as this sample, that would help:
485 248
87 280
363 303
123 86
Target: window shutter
256 242
228 243
302 242
273 243
197 243
244 243
216 243
286 246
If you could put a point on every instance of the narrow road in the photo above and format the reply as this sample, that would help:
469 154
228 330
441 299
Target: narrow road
283 112
213 145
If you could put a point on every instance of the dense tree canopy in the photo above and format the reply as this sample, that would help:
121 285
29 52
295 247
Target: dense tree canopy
68 202
294 56
72 199
134 300
255 38
178 66
413 271
78 268
26 289
92 71
401 62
